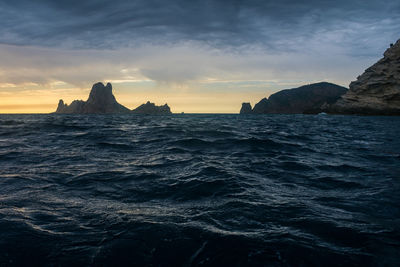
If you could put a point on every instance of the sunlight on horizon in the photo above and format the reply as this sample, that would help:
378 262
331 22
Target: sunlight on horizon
46 100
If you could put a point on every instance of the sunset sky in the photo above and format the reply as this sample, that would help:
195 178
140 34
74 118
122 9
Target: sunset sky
198 56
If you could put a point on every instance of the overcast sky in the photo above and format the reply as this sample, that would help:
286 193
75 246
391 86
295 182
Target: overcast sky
161 49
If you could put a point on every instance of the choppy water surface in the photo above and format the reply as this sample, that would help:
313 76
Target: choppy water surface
199 190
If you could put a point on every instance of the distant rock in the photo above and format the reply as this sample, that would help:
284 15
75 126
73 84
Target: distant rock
246 108
376 91
152 109
101 100
305 99
77 106
61 108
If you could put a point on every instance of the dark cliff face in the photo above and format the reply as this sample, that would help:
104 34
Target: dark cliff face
261 107
101 100
77 106
101 95
376 91
151 108
305 99
246 108
61 106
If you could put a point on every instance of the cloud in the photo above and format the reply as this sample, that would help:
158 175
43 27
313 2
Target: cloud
192 42
171 66
276 25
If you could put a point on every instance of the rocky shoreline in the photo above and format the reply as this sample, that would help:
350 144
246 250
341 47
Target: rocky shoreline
375 92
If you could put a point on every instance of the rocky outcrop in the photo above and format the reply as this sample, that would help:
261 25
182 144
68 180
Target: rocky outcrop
152 109
305 99
75 107
376 91
246 108
101 100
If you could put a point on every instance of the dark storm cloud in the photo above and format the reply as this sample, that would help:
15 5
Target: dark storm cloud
192 41
118 23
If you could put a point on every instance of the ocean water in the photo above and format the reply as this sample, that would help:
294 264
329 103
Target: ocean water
199 190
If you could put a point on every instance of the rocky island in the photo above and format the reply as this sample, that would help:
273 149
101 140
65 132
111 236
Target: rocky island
304 99
101 101
246 108
376 91
151 108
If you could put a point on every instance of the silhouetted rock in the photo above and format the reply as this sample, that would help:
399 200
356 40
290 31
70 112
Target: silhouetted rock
101 100
305 99
376 91
151 108
77 106
61 106
246 108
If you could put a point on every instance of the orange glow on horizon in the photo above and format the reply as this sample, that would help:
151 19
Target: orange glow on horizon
46 101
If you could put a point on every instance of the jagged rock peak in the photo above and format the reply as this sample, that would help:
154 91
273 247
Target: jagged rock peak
246 108
101 100
152 109
100 92
61 106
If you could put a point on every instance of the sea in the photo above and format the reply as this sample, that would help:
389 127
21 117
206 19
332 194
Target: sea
199 190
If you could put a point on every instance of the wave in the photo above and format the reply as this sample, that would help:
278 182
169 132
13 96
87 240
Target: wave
214 189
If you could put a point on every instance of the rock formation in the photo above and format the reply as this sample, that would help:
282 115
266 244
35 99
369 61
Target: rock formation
376 91
246 108
151 108
305 99
101 100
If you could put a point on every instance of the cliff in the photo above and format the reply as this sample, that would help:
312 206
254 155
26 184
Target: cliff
101 100
151 108
305 99
376 91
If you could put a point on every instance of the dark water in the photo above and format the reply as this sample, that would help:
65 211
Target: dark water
220 190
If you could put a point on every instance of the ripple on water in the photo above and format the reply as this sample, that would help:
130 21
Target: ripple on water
212 189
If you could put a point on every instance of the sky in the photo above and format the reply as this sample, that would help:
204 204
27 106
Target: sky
199 56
